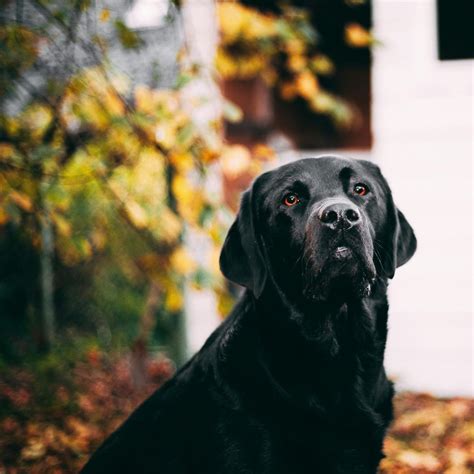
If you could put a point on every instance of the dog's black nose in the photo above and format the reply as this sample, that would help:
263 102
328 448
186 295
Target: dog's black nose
344 215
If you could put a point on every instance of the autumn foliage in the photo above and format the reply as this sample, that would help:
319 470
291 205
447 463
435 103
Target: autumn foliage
285 51
103 176
53 417
430 435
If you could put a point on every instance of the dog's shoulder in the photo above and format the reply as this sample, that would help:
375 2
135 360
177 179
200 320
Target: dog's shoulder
162 429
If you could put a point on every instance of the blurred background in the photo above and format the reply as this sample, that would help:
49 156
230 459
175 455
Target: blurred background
128 130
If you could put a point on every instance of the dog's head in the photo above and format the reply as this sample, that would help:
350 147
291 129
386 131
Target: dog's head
321 229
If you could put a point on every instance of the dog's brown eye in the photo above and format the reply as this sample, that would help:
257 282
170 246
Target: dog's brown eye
361 189
291 199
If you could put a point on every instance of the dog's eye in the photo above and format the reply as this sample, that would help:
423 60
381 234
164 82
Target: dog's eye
291 199
361 189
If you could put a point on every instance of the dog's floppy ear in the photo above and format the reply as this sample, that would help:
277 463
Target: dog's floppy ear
400 243
406 240
241 259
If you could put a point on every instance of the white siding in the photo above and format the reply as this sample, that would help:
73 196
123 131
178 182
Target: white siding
423 142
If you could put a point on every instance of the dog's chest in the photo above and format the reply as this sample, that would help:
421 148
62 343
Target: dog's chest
326 450
269 447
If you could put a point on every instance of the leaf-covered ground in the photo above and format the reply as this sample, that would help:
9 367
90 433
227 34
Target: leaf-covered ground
51 421
430 435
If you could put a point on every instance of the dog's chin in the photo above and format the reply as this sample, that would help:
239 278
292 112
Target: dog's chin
341 279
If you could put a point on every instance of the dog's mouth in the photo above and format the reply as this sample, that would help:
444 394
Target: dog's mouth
342 273
342 253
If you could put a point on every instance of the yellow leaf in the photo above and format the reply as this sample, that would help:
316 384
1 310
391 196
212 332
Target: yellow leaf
182 161
296 62
307 84
214 260
113 103
137 214
295 46
259 26
22 201
419 460
215 232
165 135
104 15
225 302
209 154
62 225
168 225
98 239
173 300
85 248
263 152
322 102
191 210
12 125
6 150
182 262
225 64
149 101
322 64
182 189
34 450
36 119
357 36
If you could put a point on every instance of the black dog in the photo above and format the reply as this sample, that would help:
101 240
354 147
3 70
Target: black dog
293 381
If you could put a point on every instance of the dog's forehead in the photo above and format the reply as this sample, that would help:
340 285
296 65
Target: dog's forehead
324 169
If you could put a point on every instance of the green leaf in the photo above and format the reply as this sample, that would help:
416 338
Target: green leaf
206 215
185 134
127 37
203 278
42 153
183 79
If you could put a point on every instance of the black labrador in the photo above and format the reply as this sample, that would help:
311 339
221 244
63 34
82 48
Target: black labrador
293 380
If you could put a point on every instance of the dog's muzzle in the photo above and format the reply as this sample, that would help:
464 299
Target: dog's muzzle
338 251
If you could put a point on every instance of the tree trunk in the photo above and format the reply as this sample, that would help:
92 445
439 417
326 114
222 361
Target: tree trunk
47 280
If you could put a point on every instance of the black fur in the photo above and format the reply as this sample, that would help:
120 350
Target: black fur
293 380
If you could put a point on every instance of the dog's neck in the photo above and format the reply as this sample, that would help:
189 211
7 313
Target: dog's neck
327 328
310 356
